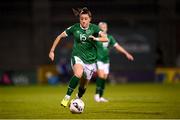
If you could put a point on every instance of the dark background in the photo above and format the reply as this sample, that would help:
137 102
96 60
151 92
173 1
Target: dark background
149 29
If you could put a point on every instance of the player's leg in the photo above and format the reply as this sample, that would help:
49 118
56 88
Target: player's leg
82 87
78 72
102 74
100 85
103 83
87 74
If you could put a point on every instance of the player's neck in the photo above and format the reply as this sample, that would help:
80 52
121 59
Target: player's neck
84 28
105 33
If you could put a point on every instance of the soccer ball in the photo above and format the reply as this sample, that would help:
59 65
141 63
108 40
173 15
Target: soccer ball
76 106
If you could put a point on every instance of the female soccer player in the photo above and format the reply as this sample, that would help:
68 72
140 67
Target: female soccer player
84 52
103 61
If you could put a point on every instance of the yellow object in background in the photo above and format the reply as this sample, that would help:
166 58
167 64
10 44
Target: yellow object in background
44 72
168 75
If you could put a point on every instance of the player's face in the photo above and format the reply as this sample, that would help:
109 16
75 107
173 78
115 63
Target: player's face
103 27
84 20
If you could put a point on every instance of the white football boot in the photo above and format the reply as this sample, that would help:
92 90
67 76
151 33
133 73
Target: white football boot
97 98
103 99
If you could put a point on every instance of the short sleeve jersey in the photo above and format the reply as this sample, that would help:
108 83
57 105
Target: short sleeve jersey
103 49
84 47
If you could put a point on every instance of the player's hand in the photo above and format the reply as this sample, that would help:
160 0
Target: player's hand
129 57
51 55
94 38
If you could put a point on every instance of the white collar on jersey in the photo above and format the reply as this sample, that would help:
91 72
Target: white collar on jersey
84 28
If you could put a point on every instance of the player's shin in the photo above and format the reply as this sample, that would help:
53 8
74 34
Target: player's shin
82 87
81 91
72 85
100 85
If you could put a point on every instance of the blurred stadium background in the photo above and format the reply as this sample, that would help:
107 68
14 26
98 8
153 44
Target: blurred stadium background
31 86
149 29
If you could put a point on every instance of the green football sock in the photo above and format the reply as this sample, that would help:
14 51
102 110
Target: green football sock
81 91
100 86
72 85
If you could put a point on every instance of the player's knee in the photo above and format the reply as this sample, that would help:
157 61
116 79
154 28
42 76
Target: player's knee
78 74
105 76
102 76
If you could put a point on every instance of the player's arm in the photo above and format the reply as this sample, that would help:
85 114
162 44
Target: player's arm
56 41
122 50
102 37
98 35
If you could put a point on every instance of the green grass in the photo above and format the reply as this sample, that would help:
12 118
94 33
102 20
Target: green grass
126 101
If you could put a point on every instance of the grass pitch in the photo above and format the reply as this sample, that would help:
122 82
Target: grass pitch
126 101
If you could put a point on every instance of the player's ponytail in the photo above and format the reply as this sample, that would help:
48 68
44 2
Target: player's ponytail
80 11
76 11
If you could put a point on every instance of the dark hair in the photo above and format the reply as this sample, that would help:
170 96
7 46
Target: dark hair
80 11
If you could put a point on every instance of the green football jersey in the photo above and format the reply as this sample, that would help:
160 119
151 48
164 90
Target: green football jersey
84 47
103 49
